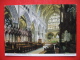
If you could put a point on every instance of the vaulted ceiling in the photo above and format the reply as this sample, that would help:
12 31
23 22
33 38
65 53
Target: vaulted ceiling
47 10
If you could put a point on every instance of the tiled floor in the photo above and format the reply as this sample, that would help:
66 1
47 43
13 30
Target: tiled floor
37 51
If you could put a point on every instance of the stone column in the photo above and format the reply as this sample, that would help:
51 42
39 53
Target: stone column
10 37
36 36
7 37
13 38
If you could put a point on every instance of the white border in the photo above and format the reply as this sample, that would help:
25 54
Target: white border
20 54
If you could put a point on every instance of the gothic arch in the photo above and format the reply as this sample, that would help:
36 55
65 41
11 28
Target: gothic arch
57 34
50 35
14 13
22 22
28 21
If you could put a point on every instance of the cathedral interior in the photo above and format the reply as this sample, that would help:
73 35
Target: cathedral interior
40 29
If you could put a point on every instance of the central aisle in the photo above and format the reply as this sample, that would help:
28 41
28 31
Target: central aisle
37 51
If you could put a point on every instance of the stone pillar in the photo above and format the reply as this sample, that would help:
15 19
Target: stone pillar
25 38
7 37
10 37
21 38
13 38
36 36
43 40
43 36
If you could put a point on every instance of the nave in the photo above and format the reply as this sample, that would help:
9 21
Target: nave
40 29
